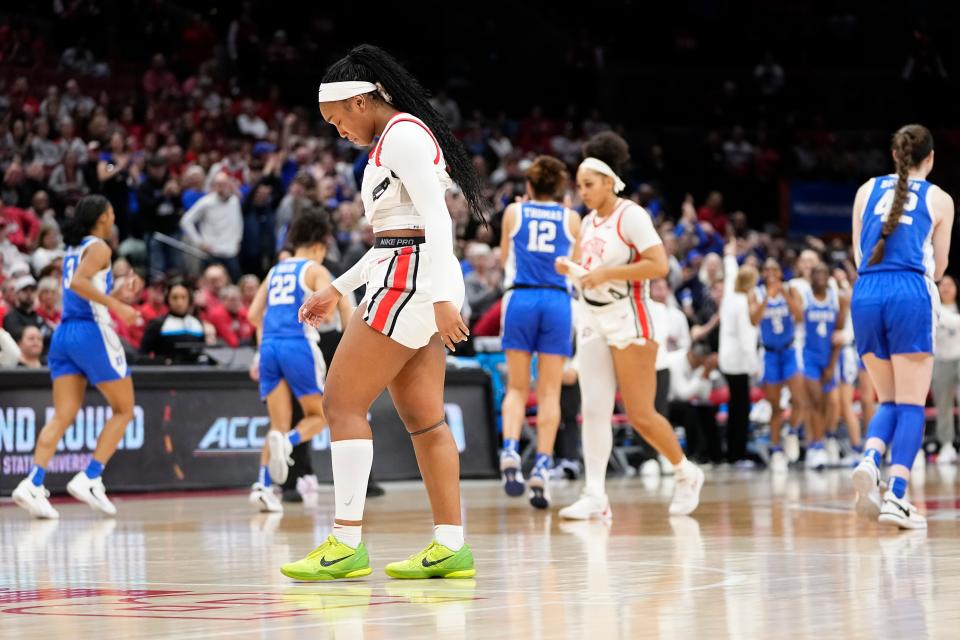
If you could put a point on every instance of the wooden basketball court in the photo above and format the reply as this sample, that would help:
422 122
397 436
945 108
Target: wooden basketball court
762 558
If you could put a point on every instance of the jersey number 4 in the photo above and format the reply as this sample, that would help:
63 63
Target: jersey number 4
886 203
541 236
282 287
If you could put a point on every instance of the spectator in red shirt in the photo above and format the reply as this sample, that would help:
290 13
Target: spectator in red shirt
230 318
712 212
154 306
128 288
48 302
488 324
23 228
9 298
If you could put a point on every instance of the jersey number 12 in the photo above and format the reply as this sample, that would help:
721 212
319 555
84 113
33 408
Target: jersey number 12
541 236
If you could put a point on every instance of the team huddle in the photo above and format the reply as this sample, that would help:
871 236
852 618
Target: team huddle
576 289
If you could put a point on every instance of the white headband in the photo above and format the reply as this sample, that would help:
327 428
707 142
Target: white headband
602 167
333 91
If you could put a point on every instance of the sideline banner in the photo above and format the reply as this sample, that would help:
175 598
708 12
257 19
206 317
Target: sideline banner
203 428
820 208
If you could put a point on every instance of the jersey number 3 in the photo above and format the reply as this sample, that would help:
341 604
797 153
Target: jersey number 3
541 236
281 289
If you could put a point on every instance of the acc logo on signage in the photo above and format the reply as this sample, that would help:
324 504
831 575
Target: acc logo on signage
239 434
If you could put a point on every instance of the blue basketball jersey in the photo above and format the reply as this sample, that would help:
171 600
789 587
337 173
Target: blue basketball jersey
820 320
286 291
74 306
541 236
776 326
910 246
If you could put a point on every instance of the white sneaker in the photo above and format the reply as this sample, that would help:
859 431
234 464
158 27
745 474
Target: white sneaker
279 462
832 449
666 468
539 485
650 469
918 472
778 462
309 489
91 492
265 499
948 455
866 481
510 473
686 495
34 499
588 507
816 458
791 446
899 512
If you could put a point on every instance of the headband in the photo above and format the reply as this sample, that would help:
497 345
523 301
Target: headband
334 91
602 167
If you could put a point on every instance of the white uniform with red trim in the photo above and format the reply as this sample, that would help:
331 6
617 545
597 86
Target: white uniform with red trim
403 188
618 310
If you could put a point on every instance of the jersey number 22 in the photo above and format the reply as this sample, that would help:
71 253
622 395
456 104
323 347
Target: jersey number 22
281 289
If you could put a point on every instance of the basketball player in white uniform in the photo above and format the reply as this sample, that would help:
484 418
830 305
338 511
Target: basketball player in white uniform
618 252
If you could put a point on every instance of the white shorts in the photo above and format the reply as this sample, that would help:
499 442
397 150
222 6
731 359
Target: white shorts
399 297
620 323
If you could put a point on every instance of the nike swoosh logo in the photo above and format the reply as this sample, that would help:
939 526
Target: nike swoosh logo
325 563
348 502
428 564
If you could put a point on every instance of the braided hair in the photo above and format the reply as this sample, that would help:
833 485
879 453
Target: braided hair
910 144
372 64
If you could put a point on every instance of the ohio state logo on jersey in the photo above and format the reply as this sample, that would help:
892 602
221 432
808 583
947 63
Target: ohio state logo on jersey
594 247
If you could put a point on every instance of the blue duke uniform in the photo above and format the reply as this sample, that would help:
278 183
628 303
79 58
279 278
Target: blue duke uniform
288 349
85 343
776 336
895 302
537 309
820 321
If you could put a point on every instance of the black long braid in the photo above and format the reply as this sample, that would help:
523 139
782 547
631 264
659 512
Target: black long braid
372 64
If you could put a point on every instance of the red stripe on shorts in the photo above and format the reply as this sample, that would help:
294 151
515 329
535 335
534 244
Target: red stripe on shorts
397 287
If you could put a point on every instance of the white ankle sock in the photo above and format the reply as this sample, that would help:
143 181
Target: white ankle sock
683 468
449 535
351 461
347 534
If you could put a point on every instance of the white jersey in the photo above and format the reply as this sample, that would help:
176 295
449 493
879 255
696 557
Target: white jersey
387 204
618 311
614 241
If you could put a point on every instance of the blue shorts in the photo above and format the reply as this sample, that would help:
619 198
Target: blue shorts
88 349
813 367
538 321
296 360
779 366
893 313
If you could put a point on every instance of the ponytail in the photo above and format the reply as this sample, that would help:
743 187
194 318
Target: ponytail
911 145
397 86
